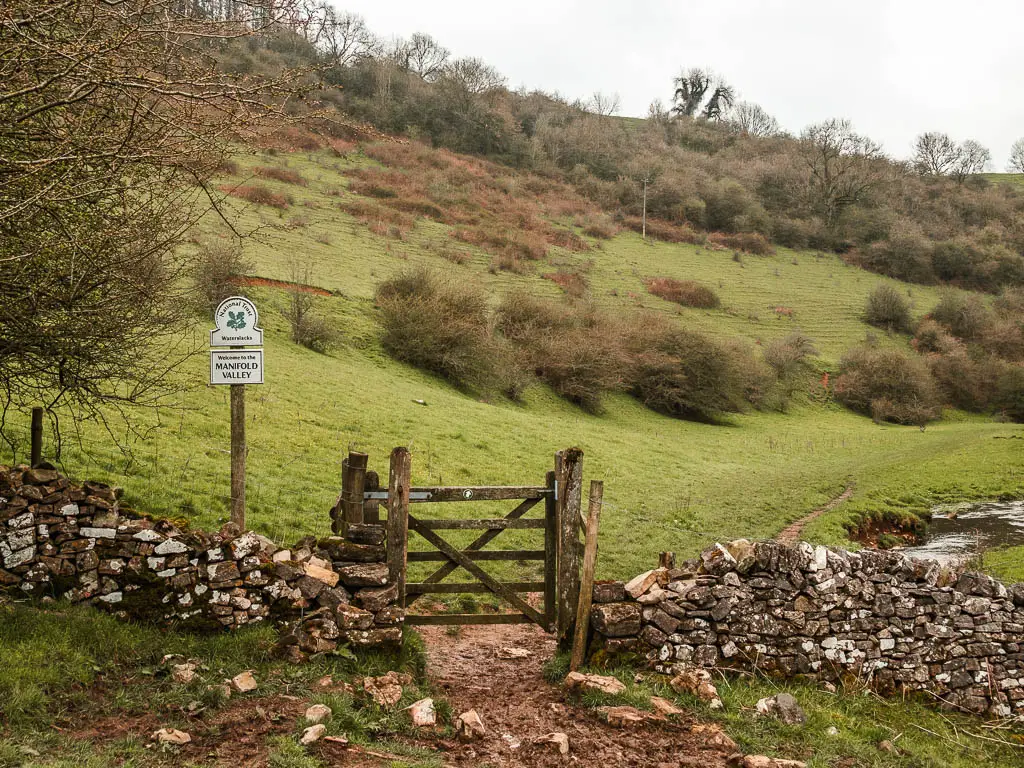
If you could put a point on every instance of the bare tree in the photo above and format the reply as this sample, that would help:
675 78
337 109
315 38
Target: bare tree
974 158
844 166
751 120
1016 163
474 75
422 55
309 328
604 104
112 118
936 154
691 95
343 37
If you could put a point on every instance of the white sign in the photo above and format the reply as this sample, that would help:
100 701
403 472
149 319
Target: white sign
241 366
237 324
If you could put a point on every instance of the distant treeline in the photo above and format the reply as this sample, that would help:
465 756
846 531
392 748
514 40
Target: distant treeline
710 163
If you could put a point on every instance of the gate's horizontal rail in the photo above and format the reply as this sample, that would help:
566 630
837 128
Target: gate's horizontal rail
493 524
467 618
421 588
441 493
497 554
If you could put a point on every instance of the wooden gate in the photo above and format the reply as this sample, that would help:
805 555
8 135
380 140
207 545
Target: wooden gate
557 528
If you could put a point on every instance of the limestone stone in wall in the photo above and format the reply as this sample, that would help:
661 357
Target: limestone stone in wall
898 623
80 543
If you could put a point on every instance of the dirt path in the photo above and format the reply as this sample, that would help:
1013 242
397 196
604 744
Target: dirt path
792 532
516 705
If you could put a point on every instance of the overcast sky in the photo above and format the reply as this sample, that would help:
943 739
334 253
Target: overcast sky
896 68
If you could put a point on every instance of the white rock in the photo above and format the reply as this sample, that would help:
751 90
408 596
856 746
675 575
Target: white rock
313 734
148 535
172 736
559 740
469 726
318 713
244 682
170 547
422 713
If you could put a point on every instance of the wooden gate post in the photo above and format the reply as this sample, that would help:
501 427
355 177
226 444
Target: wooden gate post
350 506
398 519
36 452
579 645
570 489
551 532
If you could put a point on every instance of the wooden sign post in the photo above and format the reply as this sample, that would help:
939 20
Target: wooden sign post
238 329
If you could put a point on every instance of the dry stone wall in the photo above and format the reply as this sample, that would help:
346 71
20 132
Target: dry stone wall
80 543
797 610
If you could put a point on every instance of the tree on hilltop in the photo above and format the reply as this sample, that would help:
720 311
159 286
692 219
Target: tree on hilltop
692 99
936 154
844 166
1015 163
752 120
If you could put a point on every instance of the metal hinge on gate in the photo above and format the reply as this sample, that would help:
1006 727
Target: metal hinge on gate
383 495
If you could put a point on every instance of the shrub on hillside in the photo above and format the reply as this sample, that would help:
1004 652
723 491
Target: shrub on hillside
689 293
887 384
1010 392
663 230
572 348
215 273
932 337
748 242
966 316
966 380
785 356
683 373
281 174
441 325
573 282
888 309
260 195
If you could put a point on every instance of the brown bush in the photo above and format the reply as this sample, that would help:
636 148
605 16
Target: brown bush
381 220
441 325
786 355
966 381
887 308
258 194
663 230
574 349
216 272
748 242
966 316
888 384
572 282
932 337
565 238
601 228
683 373
280 174
514 243
689 293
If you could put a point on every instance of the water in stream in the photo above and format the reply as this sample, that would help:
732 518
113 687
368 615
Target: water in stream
985 525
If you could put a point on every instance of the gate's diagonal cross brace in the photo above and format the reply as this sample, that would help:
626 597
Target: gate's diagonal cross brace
458 559
481 541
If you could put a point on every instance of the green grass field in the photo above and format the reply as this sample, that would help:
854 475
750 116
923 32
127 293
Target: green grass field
670 484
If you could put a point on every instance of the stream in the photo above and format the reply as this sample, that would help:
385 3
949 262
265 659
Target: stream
985 525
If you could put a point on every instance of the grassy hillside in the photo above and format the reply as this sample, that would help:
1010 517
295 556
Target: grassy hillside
670 484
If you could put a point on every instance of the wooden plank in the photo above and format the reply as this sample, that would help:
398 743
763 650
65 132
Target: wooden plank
466 618
437 493
353 476
371 509
419 588
479 543
398 519
579 645
568 556
489 554
476 570
550 554
238 454
493 524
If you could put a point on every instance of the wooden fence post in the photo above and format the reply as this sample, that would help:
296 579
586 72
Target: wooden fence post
36 455
398 519
551 533
579 646
371 507
350 505
570 490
